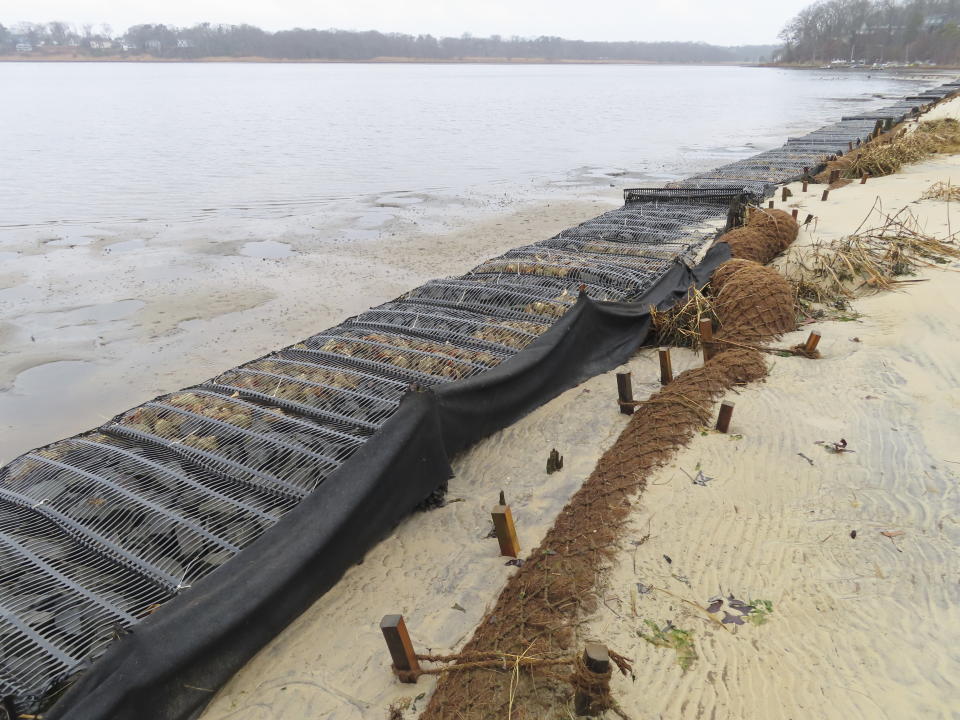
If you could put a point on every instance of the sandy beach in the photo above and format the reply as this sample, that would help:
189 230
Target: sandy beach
854 551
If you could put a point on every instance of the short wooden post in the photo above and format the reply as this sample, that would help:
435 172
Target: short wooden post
666 366
723 419
812 342
850 146
784 194
506 530
826 193
770 204
405 664
597 660
863 180
806 184
808 219
706 338
625 392
795 212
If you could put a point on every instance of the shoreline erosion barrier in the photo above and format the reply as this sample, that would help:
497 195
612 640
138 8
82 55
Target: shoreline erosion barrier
145 561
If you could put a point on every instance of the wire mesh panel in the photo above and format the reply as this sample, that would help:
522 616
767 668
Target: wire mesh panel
468 328
416 358
270 450
61 604
532 303
344 398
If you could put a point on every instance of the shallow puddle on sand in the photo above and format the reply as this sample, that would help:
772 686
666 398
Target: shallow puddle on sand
38 408
267 249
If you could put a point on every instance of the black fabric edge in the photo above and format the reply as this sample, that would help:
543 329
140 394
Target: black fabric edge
201 638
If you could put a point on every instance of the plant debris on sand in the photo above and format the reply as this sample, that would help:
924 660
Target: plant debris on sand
876 257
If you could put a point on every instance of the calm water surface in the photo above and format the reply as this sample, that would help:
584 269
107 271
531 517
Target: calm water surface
91 143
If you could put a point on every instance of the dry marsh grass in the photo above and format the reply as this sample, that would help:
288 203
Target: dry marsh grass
881 255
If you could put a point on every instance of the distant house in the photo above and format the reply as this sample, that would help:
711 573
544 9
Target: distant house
153 45
24 47
127 46
101 44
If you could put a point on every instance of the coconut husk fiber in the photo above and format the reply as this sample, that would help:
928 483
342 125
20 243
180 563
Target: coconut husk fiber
752 302
775 222
750 243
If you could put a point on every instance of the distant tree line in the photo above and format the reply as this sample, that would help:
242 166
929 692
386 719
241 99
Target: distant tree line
875 31
209 40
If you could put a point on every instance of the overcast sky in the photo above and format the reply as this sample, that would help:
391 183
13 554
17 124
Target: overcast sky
733 22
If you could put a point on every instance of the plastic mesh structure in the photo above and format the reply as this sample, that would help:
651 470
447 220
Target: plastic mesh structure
99 530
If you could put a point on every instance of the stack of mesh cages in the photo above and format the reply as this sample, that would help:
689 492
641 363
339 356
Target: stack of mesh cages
99 530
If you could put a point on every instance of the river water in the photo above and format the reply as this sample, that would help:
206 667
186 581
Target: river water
88 143
160 223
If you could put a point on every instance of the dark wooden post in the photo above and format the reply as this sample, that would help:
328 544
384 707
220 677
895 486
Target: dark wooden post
706 338
806 183
723 419
770 204
405 663
812 342
808 219
834 176
784 195
625 392
863 180
826 193
795 213
666 366
597 660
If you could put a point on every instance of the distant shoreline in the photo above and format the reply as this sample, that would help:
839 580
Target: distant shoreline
370 61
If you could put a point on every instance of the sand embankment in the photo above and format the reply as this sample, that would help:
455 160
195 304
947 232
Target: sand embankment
861 627
864 624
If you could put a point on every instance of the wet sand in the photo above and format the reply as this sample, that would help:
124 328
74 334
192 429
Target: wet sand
96 320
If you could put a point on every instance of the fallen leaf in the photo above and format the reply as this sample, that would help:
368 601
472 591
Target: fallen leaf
732 619
891 533
715 605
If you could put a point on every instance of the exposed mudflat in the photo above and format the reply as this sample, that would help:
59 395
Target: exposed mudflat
95 320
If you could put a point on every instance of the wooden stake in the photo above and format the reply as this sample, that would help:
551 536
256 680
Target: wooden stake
706 338
506 530
863 180
597 660
770 204
825 194
805 184
625 392
784 195
666 366
808 220
834 176
812 342
405 664
723 419
795 213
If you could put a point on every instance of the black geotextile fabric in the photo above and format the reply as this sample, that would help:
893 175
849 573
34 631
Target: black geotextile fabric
169 666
